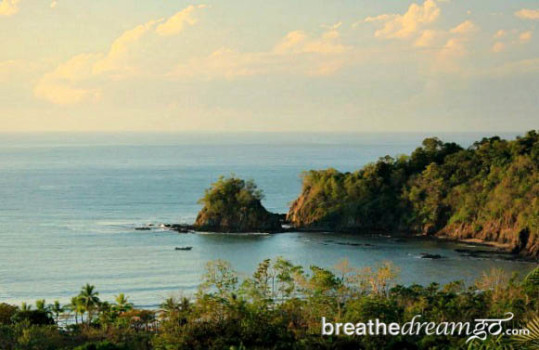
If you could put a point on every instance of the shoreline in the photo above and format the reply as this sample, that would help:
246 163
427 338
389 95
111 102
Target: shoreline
496 250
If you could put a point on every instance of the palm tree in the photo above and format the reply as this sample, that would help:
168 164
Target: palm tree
76 307
170 305
122 303
56 309
41 305
105 314
173 307
25 306
89 298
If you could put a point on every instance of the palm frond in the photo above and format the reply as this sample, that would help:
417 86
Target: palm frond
530 340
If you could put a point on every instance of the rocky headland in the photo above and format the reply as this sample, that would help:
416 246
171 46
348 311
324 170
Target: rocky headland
487 193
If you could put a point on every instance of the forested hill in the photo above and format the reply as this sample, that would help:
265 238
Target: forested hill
489 191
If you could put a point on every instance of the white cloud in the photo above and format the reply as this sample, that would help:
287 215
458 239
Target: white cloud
454 47
465 27
9 7
428 38
296 53
528 14
71 82
408 24
84 77
176 23
116 59
524 37
298 42
62 86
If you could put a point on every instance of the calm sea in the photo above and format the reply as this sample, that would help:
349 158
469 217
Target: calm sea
69 205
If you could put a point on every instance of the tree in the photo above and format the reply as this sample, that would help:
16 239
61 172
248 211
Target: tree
25 306
122 303
89 298
234 205
56 309
6 313
41 305
76 307
220 277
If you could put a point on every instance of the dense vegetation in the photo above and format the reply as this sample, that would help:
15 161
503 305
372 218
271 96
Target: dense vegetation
489 191
279 307
234 205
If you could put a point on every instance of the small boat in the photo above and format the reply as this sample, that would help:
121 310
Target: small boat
183 248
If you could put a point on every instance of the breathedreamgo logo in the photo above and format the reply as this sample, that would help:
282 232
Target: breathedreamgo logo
478 329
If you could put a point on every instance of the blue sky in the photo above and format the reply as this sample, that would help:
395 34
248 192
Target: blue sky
342 65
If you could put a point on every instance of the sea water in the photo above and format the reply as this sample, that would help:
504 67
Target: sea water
70 203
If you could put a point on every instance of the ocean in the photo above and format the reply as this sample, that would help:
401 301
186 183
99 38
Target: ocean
70 203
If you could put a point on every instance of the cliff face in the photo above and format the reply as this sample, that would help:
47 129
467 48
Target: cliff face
234 205
488 192
303 214
520 241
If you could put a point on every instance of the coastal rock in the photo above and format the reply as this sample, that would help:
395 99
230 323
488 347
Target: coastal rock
234 205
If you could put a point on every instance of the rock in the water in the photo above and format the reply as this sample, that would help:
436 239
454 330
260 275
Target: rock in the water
234 205
431 256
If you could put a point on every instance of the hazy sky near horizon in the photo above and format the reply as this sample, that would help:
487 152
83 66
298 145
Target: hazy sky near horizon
244 65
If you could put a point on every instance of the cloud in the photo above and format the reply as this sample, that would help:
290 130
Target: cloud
399 26
62 85
524 37
454 47
84 77
521 38
454 38
176 23
76 80
498 47
465 27
9 7
444 48
296 53
298 42
499 34
427 38
528 14
116 59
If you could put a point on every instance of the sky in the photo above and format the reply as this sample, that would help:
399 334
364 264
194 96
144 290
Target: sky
248 65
